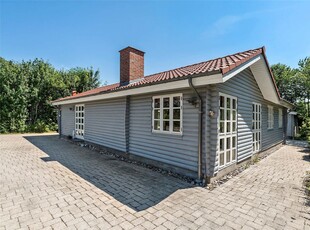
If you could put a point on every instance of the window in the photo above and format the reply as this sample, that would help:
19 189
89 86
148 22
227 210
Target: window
167 114
79 121
270 117
280 118
256 127
227 127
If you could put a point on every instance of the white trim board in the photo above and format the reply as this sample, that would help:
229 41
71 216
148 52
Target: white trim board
197 81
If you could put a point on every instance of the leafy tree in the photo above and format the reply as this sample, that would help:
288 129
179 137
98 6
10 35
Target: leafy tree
304 68
13 97
27 89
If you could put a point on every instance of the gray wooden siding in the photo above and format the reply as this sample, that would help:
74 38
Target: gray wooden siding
67 120
244 87
105 123
212 103
177 150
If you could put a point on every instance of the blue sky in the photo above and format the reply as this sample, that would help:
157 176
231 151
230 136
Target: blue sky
172 33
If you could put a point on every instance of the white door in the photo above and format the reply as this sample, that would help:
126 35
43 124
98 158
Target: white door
227 126
79 121
257 127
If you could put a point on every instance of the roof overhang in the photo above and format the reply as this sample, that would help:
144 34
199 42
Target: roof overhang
263 76
172 85
258 65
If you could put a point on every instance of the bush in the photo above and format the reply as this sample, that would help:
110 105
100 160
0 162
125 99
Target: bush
305 129
42 127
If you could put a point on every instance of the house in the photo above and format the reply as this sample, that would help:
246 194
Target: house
201 120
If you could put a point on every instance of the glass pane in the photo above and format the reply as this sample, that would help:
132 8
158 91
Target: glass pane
234 115
156 114
166 102
234 142
227 156
176 126
234 154
234 127
234 104
176 113
228 114
222 144
221 159
166 125
157 103
82 108
222 101
221 127
156 125
166 113
228 103
176 102
228 127
253 125
228 143
222 114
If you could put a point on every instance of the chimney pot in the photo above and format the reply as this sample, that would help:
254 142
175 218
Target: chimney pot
131 65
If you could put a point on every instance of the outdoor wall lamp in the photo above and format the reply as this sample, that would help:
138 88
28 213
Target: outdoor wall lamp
211 113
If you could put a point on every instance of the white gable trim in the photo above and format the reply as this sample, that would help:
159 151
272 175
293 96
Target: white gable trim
240 68
264 80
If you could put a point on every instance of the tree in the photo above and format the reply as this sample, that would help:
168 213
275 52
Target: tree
27 89
304 69
13 97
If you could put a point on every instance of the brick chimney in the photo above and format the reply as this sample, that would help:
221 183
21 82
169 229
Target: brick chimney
131 65
73 93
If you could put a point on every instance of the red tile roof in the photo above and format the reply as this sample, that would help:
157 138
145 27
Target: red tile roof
220 65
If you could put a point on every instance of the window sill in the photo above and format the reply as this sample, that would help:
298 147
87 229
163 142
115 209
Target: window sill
167 133
270 129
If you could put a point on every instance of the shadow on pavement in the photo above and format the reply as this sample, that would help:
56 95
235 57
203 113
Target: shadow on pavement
136 187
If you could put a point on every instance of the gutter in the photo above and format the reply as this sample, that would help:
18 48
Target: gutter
200 111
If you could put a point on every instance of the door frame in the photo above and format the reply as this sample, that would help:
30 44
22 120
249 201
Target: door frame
256 130
79 132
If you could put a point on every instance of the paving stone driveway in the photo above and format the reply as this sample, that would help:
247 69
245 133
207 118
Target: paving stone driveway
52 184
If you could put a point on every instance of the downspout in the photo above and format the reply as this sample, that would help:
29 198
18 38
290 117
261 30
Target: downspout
200 111
59 121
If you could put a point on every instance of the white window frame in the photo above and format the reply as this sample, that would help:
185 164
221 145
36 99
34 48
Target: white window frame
270 117
280 118
78 131
226 135
170 96
256 127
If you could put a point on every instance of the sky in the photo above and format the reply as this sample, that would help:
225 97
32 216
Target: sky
172 34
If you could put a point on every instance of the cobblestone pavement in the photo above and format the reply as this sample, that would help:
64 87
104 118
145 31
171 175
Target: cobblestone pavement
47 183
